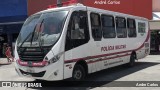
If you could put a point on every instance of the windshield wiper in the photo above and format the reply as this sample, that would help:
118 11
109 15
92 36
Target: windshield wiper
25 40
39 35
33 35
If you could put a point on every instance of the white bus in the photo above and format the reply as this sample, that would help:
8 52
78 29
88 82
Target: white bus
77 40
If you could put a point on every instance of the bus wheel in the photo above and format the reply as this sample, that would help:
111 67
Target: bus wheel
132 60
78 73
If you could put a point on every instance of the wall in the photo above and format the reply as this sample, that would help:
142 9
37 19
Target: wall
13 10
154 25
156 5
141 8
38 5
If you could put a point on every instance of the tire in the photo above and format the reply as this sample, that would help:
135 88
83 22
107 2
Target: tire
78 73
132 60
39 80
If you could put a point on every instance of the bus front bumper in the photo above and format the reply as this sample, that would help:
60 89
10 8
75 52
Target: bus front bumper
49 73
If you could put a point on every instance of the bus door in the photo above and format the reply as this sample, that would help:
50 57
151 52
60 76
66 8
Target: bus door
77 37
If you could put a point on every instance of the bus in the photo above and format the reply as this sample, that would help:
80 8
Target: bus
76 40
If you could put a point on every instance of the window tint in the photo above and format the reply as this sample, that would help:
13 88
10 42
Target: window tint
141 27
131 28
95 19
77 33
96 26
108 26
121 27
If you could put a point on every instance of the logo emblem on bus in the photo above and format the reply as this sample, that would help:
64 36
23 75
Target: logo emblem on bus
29 63
31 49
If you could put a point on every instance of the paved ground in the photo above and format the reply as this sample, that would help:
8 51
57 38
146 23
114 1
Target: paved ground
8 73
147 69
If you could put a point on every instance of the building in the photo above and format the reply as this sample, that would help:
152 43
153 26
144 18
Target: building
12 16
155 27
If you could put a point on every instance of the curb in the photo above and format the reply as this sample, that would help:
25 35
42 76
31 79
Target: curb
4 61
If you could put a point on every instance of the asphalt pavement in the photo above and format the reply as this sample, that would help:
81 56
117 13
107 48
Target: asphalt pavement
145 71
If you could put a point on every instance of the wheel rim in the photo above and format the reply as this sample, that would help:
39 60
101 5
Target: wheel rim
78 74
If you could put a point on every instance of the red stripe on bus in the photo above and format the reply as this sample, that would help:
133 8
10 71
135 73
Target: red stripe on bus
118 56
33 64
97 56
92 57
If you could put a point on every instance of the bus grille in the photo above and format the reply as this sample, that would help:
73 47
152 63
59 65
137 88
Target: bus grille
30 55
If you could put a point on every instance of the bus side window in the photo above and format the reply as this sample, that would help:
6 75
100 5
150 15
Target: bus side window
78 32
121 27
141 27
108 26
131 28
96 26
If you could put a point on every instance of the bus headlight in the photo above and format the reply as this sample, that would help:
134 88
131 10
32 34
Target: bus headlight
54 59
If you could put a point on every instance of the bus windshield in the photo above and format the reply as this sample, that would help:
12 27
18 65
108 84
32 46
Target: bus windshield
42 29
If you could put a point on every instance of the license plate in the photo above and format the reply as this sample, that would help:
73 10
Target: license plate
30 70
